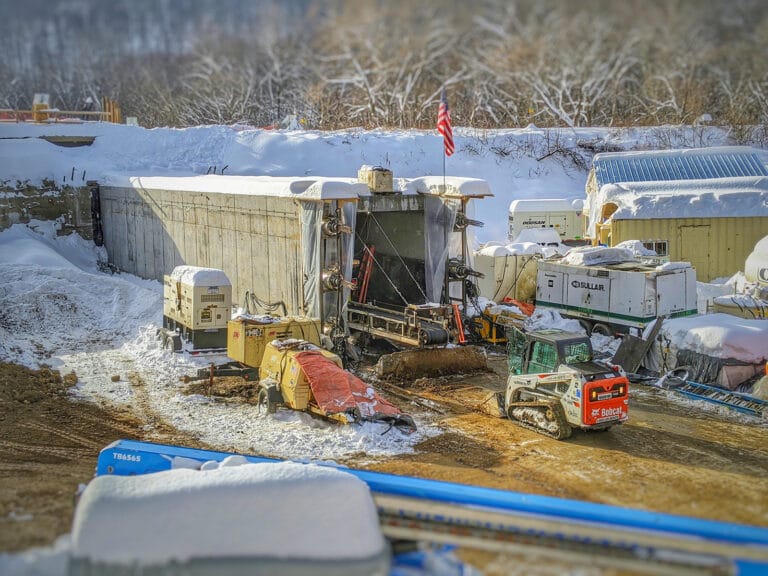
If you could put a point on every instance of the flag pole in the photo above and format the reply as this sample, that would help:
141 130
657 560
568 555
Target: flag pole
444 189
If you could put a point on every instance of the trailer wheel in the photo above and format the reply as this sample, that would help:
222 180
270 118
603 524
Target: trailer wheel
602 329
266 406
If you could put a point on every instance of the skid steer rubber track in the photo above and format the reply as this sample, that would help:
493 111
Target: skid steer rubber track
542 416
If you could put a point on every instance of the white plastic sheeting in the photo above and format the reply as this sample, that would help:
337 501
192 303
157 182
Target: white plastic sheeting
439 220
311 218
597 255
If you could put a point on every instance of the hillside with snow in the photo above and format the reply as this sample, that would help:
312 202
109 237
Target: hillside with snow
518 164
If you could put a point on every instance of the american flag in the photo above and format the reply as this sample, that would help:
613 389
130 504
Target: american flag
444 124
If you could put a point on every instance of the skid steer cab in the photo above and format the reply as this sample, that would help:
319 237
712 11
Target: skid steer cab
554 384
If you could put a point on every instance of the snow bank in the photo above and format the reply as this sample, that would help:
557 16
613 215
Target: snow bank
281 510
244 151
38 244
53 301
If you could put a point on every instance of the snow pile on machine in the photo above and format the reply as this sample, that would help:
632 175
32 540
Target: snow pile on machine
721 349
227 518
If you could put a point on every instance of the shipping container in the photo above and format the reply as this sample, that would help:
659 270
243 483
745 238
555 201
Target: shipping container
715 247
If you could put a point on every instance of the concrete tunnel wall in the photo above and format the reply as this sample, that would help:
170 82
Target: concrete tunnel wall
256 240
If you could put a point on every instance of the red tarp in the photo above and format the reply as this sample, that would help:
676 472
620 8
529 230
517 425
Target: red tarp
335 390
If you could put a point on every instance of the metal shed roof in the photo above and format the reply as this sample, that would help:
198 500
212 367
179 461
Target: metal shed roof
691 164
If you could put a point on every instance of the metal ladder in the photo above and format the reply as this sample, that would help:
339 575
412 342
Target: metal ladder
743 403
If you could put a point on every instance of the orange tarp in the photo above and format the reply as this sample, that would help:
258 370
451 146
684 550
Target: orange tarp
336 391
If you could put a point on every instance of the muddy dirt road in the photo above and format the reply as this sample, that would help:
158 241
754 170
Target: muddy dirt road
668 458
673 457
48 447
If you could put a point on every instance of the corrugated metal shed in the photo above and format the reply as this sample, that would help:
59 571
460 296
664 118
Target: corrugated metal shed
691 164
716 247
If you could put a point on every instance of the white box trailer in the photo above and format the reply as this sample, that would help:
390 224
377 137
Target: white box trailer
616 297
564 216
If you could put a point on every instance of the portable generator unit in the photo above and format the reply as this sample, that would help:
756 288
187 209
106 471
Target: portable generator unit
197 304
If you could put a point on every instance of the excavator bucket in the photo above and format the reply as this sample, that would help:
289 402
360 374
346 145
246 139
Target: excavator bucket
338 392
432 362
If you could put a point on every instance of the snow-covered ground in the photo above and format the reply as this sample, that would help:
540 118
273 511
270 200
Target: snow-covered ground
58 309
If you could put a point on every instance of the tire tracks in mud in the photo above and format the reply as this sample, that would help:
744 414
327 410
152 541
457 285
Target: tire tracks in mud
127 429
155 424
24 449
76 439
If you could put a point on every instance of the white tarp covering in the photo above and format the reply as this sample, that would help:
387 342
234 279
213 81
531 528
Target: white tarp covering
597 255
311 219
439 219
315 259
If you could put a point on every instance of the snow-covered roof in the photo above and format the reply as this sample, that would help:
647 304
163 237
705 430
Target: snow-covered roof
714 198
689 164
512 249
450 186
302 188
198 276
545 205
